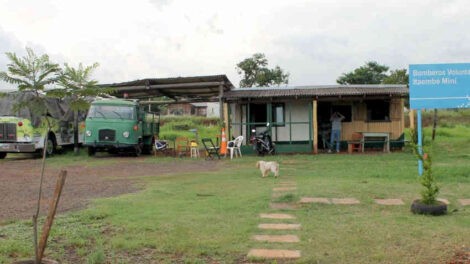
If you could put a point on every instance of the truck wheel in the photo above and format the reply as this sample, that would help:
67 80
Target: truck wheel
51 147
149 149
91 151
138 150
3 155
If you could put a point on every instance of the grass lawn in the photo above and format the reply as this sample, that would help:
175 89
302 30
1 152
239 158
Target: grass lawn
169 222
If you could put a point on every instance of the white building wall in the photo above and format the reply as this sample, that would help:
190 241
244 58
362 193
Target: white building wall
300 112
213 110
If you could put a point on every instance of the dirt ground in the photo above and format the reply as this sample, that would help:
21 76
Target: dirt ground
19 181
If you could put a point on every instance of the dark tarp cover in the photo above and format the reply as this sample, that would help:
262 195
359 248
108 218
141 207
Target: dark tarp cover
56 108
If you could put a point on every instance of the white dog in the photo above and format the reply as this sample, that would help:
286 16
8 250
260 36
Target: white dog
266 166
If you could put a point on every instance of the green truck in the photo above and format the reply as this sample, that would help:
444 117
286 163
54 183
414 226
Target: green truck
120 125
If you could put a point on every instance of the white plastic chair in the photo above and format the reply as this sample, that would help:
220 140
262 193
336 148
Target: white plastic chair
234 146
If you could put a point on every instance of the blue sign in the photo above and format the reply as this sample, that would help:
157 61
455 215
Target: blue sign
440 85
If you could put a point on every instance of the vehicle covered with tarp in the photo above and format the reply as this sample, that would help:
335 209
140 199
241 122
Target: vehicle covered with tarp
24 130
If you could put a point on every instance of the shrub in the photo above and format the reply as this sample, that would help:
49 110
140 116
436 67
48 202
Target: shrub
430 191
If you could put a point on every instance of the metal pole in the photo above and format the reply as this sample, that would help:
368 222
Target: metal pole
248 128
221 106
310 121
270 117
290 123
420 142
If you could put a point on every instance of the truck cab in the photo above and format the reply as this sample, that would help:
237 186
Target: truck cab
119 125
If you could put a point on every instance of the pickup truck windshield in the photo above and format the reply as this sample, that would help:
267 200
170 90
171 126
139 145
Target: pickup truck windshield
111 112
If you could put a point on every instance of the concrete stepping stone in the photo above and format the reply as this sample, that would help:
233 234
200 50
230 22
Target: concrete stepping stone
322 200
345 201
279 226
464 202
275 195
277 216
389 201
288 206
443 200
278 189
281 239
274 253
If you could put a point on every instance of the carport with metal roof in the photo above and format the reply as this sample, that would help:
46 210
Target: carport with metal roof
209 88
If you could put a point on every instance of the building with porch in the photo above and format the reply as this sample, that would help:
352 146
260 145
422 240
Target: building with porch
299 117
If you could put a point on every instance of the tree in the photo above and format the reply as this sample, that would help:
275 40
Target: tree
256 73
77 86
370 73
431 189
399 76
32 74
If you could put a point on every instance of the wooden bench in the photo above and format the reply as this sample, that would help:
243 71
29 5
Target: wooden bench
380 138
404 141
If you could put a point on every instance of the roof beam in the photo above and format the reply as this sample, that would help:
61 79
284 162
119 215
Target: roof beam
178 102
166 86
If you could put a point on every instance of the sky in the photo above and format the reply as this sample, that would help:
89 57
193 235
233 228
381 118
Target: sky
315 41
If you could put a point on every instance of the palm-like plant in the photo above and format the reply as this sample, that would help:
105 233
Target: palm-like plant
32 74
77 87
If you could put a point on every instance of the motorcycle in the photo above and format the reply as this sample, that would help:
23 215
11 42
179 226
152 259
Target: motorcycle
262 142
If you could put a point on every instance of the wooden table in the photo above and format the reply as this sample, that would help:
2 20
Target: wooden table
375 135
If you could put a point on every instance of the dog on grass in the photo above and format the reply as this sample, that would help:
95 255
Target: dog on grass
266 166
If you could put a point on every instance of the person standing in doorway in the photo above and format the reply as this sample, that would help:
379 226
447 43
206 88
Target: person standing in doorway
335 120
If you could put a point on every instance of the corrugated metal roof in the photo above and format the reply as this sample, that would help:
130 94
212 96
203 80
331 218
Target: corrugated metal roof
202 88
317 90
174 80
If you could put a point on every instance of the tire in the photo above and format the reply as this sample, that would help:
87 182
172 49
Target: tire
51 147
91 151
434 209
149 149
137 150
3 155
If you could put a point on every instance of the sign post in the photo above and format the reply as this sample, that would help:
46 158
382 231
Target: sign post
420 142
434 86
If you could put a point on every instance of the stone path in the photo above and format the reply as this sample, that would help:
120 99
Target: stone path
282 238
274 253
345 201
443 200
277 216
314 200
283 188
464 202
389 201
279 226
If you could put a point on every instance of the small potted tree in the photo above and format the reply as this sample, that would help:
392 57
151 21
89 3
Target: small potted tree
428 204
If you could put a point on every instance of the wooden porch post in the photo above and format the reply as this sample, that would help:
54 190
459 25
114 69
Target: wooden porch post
221 108
412 119
225 115
315 127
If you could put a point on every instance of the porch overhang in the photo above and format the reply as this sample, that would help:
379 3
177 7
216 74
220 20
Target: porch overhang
208 88
320 92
